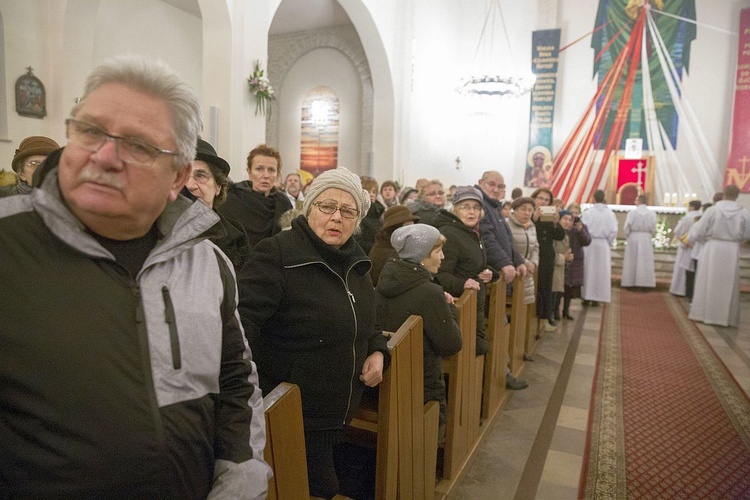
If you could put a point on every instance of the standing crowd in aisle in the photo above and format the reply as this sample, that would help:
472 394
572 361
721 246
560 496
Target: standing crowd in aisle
172 298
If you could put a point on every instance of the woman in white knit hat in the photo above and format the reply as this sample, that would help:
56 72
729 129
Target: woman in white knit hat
308 308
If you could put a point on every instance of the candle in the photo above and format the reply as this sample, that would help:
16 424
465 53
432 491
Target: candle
666 199
674 199
686 200
695 196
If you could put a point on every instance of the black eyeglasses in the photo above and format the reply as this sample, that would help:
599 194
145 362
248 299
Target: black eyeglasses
129 150
330 209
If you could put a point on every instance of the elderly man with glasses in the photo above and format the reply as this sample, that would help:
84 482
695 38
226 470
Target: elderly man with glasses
131 376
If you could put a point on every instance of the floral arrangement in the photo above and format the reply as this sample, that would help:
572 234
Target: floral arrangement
261 88
663 237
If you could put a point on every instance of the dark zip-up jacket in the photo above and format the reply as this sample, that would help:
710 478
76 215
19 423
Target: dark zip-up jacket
496 235
309 313
121 386
464 258
406 288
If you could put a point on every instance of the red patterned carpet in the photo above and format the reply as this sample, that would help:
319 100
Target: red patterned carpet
667 419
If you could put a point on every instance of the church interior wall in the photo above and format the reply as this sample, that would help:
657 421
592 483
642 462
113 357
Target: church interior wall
329 68
155 28
25 25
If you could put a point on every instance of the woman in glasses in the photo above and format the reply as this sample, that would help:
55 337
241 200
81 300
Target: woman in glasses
465 265
431 199
308 308
208 183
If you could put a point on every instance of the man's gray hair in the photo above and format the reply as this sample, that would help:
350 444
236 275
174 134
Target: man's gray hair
159 80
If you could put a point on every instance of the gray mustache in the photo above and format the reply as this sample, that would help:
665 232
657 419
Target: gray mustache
108 179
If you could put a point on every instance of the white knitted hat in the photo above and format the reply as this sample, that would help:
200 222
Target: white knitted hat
415 242
339 178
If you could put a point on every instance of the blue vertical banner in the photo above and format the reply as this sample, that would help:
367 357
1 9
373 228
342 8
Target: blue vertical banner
545 51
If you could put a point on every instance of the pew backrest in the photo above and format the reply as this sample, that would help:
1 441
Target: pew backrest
285 443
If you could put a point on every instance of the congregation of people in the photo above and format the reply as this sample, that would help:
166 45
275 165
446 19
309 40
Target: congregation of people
175 297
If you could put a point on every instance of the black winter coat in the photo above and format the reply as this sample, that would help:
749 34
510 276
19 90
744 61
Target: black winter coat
406 288
235 243
369 226
546 233
308 310
258 214
464 258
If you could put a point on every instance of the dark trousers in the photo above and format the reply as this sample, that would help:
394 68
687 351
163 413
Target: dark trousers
690 281
321 469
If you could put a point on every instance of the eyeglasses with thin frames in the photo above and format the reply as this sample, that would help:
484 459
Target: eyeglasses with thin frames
330 209
129 150
32 163
200 176
467 208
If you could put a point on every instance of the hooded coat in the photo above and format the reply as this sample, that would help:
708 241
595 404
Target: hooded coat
716 297
406 288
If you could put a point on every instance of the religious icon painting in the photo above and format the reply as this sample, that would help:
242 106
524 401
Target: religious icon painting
31 98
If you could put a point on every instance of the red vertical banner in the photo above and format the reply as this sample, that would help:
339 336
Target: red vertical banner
738 165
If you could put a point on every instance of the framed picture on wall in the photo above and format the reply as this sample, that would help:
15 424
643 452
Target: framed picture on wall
31 98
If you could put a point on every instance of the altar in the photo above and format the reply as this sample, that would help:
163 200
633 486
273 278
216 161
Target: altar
671 214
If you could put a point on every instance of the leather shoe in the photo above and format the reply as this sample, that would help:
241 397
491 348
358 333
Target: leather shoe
515 384
528 357
568 316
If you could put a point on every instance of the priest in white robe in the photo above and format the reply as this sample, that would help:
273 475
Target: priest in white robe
683 262
638 263
722 228
597 257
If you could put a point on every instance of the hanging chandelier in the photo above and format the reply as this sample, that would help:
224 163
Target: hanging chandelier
492 83
502 86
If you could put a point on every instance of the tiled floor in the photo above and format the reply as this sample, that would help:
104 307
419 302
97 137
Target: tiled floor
535 447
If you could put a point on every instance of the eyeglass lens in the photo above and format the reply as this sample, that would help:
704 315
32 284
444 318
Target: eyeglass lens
93 138
330 209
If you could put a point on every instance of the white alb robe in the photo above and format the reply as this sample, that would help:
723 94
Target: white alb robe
683 260
597 257
716 298
638 263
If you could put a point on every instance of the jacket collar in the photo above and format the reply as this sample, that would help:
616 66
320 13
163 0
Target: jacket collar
182 223
309 249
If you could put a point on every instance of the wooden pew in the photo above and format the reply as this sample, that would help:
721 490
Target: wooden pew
285 443
517 334
460 369
496 359
406 449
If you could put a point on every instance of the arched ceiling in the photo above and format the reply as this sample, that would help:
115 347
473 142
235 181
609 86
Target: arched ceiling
292 15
